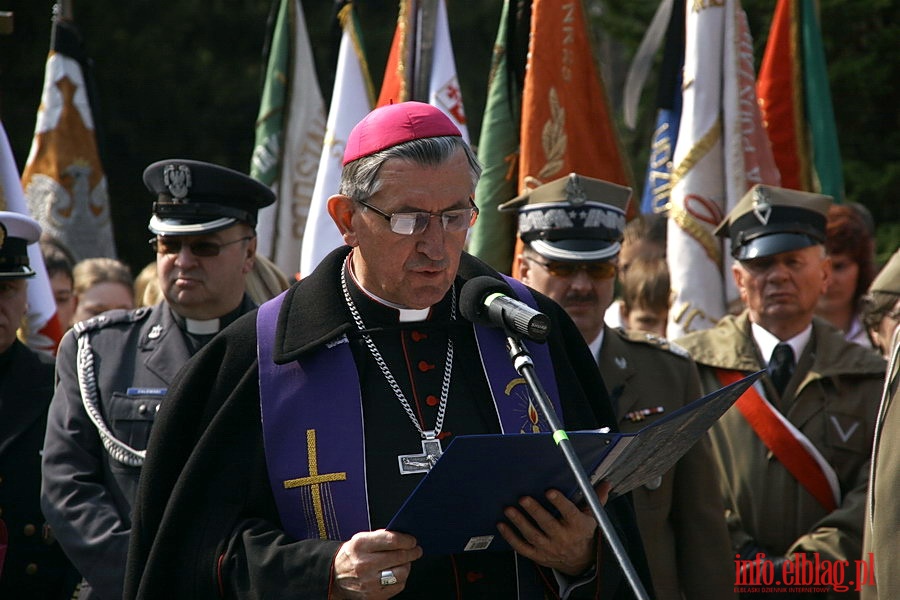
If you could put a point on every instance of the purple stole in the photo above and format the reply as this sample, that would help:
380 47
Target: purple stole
313 423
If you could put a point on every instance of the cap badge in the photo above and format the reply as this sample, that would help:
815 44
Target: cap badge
761 207
2 235
574 192
178 180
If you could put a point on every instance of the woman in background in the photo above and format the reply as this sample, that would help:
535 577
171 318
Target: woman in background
851 246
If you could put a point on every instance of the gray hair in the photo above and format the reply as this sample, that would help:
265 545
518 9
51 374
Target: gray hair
359 178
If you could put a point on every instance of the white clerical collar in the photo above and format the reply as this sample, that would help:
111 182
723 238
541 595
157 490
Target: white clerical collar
207 327
597 344
406 315
766 341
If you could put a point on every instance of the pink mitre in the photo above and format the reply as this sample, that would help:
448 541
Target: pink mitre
394 124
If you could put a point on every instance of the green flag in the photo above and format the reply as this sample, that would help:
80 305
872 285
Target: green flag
819 111
493 237
289 132
266 162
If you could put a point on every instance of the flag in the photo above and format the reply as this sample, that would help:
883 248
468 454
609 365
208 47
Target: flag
498 151
720 153
796 102
43 331
351 100
566 123
658 181
443 87
396 86
289 132
422 52
64 183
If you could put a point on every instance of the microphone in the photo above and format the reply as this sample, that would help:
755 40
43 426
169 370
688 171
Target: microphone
487 301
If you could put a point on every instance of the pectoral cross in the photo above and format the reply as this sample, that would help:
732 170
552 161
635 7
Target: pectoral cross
422 463
314 481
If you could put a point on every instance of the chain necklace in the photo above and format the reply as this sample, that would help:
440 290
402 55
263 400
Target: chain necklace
431 445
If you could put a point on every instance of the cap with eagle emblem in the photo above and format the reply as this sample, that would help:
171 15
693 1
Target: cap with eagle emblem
17 231
195 197
769 220
573 218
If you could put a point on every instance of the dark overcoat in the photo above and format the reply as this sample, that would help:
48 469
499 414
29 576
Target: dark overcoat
205 522
35 566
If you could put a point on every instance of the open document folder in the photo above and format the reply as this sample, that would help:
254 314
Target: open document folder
457 505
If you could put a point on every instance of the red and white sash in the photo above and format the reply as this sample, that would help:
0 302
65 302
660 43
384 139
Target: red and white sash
793 449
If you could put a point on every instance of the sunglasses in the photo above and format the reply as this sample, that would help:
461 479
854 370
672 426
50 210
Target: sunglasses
203 249
594 270
412 223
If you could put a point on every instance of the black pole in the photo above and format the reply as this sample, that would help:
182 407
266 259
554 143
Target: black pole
525 367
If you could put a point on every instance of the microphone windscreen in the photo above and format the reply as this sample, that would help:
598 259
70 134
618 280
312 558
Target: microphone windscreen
473 293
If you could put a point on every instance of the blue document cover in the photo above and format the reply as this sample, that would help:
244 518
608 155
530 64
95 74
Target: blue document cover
457 505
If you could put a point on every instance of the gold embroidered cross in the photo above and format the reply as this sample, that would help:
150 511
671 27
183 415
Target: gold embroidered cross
314 481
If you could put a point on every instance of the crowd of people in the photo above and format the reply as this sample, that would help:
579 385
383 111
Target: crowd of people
207 430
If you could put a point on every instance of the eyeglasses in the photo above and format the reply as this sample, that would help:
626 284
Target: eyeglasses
412 223
594 270
203 249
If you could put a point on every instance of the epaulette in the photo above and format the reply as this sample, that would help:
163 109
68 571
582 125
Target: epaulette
633 335
112 317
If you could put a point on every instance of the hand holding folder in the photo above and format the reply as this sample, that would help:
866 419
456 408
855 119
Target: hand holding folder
456 507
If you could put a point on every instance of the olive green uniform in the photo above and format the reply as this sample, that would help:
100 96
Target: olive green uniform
832 399
681 517
883 523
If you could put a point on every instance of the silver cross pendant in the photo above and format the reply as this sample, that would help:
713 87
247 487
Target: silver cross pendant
422 463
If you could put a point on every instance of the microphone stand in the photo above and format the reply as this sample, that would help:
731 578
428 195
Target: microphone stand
525 367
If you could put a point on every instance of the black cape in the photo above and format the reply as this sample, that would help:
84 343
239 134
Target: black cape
205 524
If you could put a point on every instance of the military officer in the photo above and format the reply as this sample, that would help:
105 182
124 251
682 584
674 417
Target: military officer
882 510
34 566
113 370
793 456
572 229
881 305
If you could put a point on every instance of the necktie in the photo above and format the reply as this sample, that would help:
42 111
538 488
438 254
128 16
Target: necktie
781 366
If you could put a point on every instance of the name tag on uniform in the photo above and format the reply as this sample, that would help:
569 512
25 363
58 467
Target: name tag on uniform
146 391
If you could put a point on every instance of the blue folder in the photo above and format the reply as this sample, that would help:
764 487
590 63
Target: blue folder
457 505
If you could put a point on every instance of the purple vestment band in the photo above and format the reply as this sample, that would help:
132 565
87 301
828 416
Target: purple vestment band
516 410
313 431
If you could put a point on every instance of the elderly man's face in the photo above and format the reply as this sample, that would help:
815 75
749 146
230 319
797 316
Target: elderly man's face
206 287
416 270
781 291
13 302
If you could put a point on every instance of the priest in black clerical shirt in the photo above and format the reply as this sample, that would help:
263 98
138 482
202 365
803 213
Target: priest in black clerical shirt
287 444
114 369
